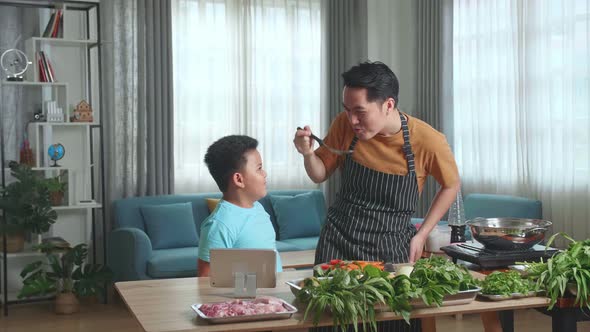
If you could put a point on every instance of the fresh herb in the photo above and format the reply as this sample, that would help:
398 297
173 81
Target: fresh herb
353 295
506 283
571 266
437 277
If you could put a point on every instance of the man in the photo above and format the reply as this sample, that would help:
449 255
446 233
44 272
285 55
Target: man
393 154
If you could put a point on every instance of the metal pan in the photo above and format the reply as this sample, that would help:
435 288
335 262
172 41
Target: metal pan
508 234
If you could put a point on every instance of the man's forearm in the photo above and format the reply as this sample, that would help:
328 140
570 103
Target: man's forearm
440 205
315 168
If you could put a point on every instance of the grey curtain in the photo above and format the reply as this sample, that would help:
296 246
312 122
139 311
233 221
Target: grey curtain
137 99
434 82
17 104
156 94
345 34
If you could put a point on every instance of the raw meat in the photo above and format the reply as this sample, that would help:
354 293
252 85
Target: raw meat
260 305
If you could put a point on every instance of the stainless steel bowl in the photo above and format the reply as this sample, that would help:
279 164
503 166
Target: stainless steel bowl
508 233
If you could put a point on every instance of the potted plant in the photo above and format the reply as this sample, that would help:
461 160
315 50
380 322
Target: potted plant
57 189
25 207
65 273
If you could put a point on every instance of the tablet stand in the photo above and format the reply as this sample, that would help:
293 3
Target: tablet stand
244 284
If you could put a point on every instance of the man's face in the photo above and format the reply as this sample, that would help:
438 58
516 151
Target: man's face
366 118
254 176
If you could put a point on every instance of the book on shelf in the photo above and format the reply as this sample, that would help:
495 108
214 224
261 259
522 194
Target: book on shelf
49 26
60 30
46 73
54 28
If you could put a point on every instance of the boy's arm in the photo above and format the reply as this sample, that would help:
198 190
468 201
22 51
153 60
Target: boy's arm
203 268
214 234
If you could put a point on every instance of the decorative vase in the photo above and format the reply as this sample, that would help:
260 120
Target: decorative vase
15 242
457 219
56 197
66 303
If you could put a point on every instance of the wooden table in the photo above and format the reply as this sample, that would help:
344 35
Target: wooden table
297 259
164 305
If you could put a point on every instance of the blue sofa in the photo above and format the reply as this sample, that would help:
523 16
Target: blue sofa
132 256
297 216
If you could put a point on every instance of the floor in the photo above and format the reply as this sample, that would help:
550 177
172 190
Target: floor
115 317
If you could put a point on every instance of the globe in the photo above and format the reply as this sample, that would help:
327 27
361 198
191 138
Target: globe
56 152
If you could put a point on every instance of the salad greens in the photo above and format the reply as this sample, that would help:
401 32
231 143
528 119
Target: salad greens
436 277
352 295
506 283
571 266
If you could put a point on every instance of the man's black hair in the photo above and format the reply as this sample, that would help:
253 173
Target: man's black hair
380 82
226 156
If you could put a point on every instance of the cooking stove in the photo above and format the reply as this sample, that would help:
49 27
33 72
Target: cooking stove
474 252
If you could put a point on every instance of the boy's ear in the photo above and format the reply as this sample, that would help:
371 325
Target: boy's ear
238 180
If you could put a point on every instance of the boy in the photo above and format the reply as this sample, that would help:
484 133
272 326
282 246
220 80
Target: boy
238 221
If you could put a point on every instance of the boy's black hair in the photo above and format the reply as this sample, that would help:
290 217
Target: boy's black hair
226 156
380 82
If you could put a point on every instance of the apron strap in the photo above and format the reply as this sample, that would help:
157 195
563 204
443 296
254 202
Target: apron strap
407 147
353 144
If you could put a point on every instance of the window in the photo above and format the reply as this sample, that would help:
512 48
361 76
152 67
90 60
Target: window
250 68
521 86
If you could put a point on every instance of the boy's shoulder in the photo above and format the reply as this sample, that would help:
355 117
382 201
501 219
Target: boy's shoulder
229 213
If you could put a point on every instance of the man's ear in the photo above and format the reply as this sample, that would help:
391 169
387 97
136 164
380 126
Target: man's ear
238 180
391 104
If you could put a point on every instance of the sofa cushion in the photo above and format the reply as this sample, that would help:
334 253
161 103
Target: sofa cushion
498 206
304 243
173 263
296 216
285 246
170 225
212 203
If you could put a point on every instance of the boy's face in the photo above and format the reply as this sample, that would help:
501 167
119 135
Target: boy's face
254 176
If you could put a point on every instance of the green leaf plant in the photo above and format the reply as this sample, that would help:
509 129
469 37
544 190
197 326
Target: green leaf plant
566 270
25 203
56 184
64 271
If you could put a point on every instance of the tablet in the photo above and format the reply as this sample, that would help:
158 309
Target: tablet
225 264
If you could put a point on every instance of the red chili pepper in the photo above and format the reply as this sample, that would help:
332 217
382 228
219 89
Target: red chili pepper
335 261
325 266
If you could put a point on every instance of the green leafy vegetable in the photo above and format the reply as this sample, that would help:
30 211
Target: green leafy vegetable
571 266
506 283
352 295
437 277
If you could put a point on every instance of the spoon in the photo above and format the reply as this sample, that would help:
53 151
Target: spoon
321 142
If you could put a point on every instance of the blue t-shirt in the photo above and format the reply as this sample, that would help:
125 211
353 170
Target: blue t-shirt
231 226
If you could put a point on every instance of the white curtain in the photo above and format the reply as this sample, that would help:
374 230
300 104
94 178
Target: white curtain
244 67
522 103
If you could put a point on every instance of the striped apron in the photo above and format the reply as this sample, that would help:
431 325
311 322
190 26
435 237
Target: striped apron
370 219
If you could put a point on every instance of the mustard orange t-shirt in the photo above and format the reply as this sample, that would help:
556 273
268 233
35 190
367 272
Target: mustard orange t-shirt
432 153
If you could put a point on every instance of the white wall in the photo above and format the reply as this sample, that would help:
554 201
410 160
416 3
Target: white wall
392 40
